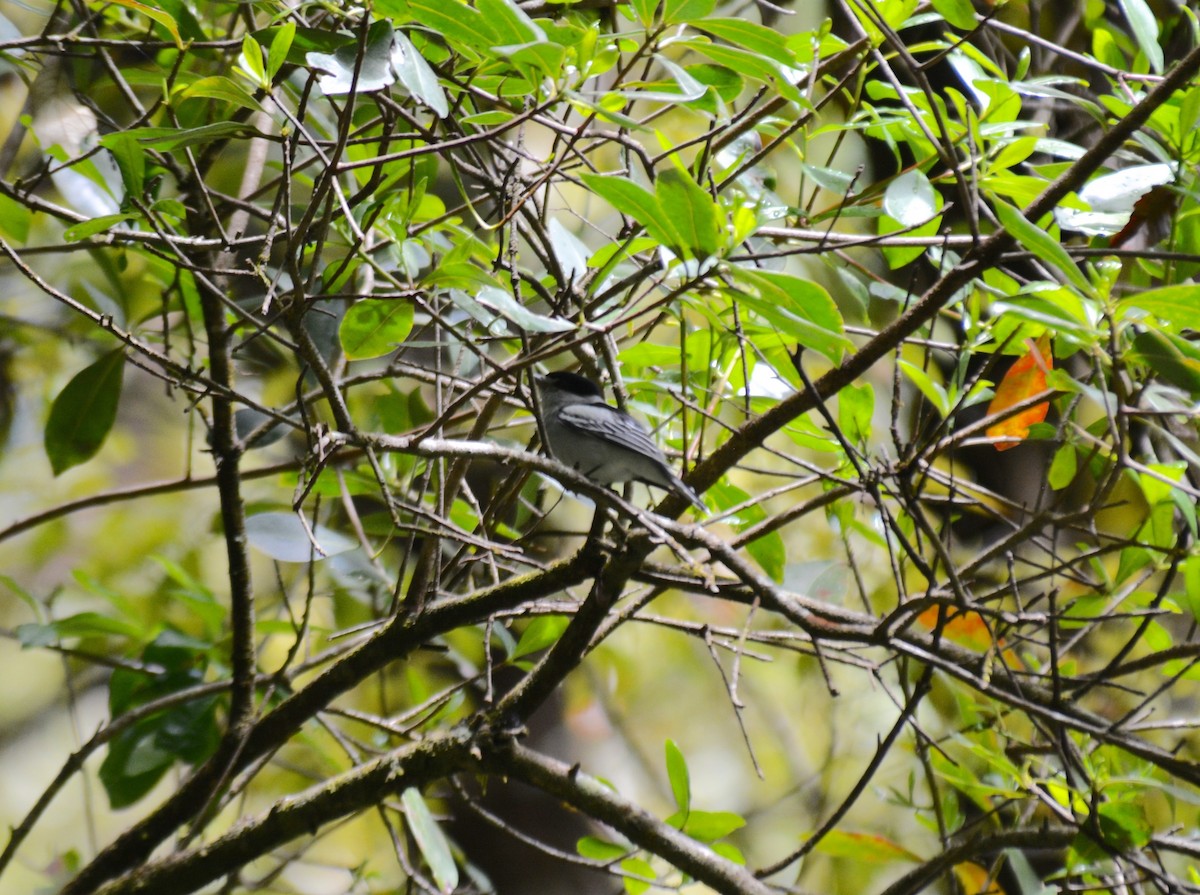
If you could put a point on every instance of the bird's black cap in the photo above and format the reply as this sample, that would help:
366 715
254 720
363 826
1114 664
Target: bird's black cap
574 384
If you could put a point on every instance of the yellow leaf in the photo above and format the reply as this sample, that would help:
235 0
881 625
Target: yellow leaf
975 880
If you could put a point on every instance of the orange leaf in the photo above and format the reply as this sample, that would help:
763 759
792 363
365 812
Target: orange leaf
1025 378
965 627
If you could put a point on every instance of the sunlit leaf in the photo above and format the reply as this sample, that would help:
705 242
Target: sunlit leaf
540 633
686 10
156 15
569 250
958 13
933 391
801 309
430 840
1042 245
640 872
694 212
509 22
677 773
636 202
748 35
1144 24
509 308
910 199
1176 307
708 826
600 849
451 19
342 70
87 229
281 44
418 78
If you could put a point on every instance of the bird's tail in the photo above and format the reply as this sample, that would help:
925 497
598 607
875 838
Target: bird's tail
683 490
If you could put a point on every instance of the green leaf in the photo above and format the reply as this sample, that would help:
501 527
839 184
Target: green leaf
1124 825
868 848
1190 598
504 304
1173 358
709 826
645 11
933 391
156 15
251 62
751 36
856 407
418 78
217 87
343 70
958 13
14 219
139 756
756 68
632 200
539 634
729 852
509 22
677 773
1041 244
686 10
284 537
90 228
374 327
83 413
305 40
455 21
281 43
132 766
910 199
131 160
640 868
430 840
801 309
1145 30
172 138
600 849
770 553
695 214
1176 307
1063 467
82 624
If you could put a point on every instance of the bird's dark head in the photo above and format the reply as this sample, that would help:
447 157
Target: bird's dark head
571 383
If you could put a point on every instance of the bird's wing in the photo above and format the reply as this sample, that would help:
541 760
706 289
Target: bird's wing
612 425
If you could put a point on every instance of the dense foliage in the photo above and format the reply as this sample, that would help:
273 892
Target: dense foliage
904 289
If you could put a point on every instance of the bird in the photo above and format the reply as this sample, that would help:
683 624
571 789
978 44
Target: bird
602 442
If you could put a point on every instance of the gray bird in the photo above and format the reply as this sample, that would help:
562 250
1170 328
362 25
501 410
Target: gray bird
604 443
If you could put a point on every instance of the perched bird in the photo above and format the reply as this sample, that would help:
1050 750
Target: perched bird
605 444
